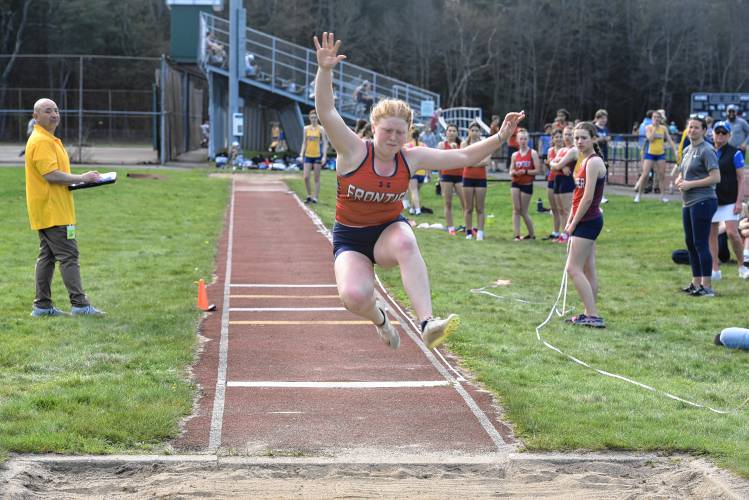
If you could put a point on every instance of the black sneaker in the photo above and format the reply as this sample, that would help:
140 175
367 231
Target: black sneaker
308 200
689 289
703 292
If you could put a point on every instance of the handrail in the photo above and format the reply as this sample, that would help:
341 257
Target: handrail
280 64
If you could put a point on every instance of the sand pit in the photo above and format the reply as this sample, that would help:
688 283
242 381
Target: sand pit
515 476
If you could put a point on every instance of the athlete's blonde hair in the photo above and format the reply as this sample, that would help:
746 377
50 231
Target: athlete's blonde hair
394 108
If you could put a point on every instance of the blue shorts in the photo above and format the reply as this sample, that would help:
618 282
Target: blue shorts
589 229
648 156
474 183
359 239
419 178
524 188
455 179
312 160
564 184
550 185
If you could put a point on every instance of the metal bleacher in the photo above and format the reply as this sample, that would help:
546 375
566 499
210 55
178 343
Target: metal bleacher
287 71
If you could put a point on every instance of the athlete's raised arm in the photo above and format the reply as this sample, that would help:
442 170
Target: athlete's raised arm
346 143
435 159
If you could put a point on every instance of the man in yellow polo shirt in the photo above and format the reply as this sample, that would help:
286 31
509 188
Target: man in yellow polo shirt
52 213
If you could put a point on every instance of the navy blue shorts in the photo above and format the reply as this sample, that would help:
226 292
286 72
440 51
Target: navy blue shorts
589 229
648 156
312 160
524 188
474 183
419 178
455 179
564 184
550 184
359 239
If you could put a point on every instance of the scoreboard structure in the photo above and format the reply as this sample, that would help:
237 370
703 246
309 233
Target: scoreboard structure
715 103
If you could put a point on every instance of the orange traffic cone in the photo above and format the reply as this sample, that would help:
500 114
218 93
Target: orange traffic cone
203 297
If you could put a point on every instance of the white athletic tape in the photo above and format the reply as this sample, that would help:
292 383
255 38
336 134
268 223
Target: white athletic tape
563 295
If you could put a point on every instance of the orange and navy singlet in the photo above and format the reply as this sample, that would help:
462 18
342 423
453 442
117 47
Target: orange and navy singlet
476 173
551 155
366 198
593 210
457 172
523 161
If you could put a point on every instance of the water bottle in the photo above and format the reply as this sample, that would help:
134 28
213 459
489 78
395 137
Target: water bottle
540 206
734 338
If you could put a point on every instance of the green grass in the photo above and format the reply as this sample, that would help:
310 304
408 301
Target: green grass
655 335
87 385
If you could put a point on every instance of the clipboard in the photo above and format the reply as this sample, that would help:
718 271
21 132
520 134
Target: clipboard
104 179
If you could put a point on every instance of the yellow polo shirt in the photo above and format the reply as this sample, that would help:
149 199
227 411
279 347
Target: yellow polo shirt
48 204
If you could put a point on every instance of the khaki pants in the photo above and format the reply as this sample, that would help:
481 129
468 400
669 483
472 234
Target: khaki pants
55 246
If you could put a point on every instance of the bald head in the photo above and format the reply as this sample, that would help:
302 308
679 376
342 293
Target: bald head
46 114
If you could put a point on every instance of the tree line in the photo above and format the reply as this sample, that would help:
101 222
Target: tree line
538 55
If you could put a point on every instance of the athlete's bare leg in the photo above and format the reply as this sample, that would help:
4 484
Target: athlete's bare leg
515 192
354 275
577 260
468 193
565 206
307 168
397 246
413 189
642 182
525 202
447 200
316 169
480 205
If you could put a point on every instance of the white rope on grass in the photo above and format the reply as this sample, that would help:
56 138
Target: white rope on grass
563 295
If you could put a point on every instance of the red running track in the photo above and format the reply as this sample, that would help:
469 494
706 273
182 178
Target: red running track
284 367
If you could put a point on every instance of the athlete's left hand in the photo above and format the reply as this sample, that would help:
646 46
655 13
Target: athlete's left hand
737 208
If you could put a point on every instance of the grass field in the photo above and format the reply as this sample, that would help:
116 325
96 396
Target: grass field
87 385
655 334
120 384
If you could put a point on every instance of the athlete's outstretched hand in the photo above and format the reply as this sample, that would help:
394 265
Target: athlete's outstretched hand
327 53
509 124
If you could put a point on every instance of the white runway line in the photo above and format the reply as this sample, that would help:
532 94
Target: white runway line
400 384
285 309
217 417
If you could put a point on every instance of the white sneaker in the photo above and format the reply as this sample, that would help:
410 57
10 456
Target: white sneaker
664 199
480 236
744 273
637 198
412 211
386 331
716 276
469 236
437 330
604 200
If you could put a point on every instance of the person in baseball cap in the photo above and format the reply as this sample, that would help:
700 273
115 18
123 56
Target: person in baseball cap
739 128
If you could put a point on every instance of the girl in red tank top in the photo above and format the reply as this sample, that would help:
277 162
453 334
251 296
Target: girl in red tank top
451 180
524 165
585 223
474 188
372 180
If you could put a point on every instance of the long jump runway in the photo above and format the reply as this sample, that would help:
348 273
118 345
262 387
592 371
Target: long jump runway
285 369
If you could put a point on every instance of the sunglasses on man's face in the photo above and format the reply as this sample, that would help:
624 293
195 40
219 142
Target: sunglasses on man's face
720 132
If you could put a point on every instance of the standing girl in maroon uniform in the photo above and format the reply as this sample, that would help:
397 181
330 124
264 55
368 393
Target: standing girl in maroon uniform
586 222
474 187
524 165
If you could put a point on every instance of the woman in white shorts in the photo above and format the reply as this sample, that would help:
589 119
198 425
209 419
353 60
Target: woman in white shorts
730 192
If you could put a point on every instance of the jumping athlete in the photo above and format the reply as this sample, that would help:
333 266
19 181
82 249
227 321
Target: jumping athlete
451 179
524 165
474 187
585 223
314 153
372 182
